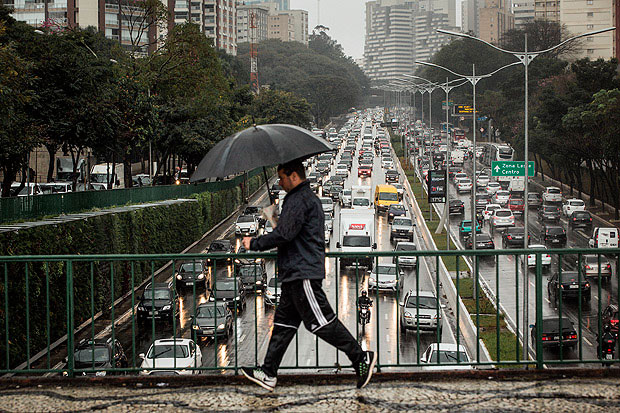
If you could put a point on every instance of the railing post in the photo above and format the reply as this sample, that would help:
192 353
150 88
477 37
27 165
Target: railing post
70 351
539 314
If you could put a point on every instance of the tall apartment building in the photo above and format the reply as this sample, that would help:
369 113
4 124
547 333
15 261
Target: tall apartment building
300 24
427 39
495 19
281 4
261 15
447 7
469 17
547 10
523 11
282 27
580 16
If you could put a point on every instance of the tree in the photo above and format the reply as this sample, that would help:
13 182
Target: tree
275 106
541 35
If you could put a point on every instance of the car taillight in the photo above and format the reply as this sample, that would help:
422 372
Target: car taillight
590 219
509 237
545 338
574 219
587 285
588 267
572 336
608 266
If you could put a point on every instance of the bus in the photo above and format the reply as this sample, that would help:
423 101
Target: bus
497 152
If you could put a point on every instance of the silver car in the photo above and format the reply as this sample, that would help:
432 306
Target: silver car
420 310
385 277
405 261
402 228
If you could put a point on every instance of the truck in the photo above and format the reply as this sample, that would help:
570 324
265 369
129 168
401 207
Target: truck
457 156
516 185
102 175
361 197
357 234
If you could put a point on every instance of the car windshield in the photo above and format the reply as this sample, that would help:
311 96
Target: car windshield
388 196
397 207
402 221
465 181
356 241
553 191
386 269
551 209
405 247
191 267
361 202
207 311
516 202
99 353
249 270
593 259
251 210
423 302
245 218
503 193
448 356
218 246
503 214
326 201
576 203
158 294
228 285
581 214
168 351
555 230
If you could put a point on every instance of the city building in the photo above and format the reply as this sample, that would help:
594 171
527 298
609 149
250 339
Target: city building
282 27
548 10
300 24
469 17
427 39
523 11
494 19
261 16
580 16
281 4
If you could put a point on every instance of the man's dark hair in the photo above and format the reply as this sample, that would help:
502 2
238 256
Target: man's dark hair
293 166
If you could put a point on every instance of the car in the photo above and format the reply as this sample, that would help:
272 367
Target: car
220 246
256 211
253 276
568 285
387 162
580 219
516 205
405 261
459 175
315 181
603 237
212 320
345 198
534 199
391 175
482 200
364 171
492 187
572 205
465 228
437 355
457 207
552 194
95 356
590 266
268 228
190 274
229 290
272 292
246 225
323 167
395 210
402 227
275 190
501 218
501 197
482 180
489 209
483 242
342 170
420 311
327 234
329 221
328 204
171 356
464 185
159 302
555 332
513 237
334 192
610 317
545 259
389 279
549 213
400 189
553 235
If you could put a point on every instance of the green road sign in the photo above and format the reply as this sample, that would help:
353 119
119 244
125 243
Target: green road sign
511 168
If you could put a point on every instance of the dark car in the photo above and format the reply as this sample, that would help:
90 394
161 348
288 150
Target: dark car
211 320
190 274
550 333
220 246
482 200
513 237
457 207
483 242
534 199
99 355
159 301
229 291
610 317
396 210
553 235
391 175
568 285
549 213
580 219
253 276
334 192
275 189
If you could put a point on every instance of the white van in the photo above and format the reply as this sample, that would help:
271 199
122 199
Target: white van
604 238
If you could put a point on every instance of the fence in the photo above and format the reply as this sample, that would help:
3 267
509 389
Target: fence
50 326
33 207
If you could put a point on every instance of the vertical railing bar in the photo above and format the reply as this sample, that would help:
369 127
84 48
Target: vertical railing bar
458 308
417 309
264 288
579 309
133 316
477 289
112 299
92 312
153 309
47 314
377 312
337 281
70 347
599 312
516 258
236 283
398 311
27 315
539 315
6 315
172 308
497 309
437 295
215 312
561 302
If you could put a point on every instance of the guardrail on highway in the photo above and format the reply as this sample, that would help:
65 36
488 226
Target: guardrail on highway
44 297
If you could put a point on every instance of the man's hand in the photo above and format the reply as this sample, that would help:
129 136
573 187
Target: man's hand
246 243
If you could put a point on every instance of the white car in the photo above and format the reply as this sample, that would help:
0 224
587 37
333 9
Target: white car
458 176
272 292
421 311
328 235
399 189
345 198
246 225
552 194
173 355
329 221
483 180
501 218
501 197
573 205
328 204
342 170
387 279
445 353
489 209
464 185
545 259
493 187
387 163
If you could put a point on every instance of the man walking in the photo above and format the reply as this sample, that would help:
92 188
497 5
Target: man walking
300 239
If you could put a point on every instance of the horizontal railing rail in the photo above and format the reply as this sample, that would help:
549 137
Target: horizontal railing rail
215 315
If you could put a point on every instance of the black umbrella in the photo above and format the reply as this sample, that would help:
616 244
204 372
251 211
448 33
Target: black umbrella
259 146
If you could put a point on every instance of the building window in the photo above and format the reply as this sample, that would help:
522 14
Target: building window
588 2
590 51
590 26
590 14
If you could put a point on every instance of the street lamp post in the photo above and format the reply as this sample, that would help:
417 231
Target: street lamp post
525 58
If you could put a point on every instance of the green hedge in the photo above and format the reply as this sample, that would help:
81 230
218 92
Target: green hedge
160 229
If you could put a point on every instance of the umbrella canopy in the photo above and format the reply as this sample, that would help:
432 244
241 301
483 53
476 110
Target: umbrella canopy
262 145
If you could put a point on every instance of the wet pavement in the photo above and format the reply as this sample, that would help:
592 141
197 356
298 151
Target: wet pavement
307 393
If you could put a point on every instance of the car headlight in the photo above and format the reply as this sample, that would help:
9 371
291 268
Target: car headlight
269 294
140 308
195 327
371 279
259 282
166 308
408 315
211 298
221 326
179 277
100 373
258 260
237 260
144 372
237 298
201 276
252 226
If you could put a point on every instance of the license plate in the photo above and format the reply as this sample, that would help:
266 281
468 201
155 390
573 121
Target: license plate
555 240
556 337
608 356
189 283
574 286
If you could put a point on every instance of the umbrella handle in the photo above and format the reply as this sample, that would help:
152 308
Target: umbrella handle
267 184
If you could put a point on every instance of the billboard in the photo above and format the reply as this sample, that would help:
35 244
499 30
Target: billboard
437 186
463 110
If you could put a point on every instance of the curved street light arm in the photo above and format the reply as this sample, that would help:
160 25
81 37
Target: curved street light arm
470 79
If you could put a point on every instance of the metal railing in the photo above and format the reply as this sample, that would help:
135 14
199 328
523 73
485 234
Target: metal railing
36 206
58 314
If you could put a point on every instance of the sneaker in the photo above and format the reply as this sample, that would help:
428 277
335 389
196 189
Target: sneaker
258 376
364 368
